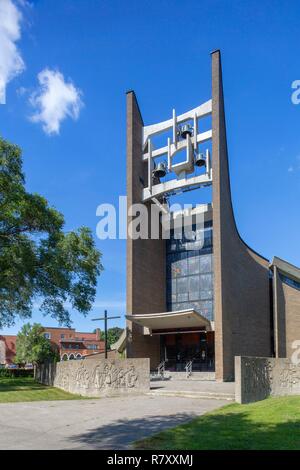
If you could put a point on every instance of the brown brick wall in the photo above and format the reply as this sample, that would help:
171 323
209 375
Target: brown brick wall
8 347
286 316
145 258
242 301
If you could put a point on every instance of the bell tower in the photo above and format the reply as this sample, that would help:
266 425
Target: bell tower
221 288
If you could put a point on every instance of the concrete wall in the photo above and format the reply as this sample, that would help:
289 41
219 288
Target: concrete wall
257 378
241 289
97 378
2 352
146 259
286 316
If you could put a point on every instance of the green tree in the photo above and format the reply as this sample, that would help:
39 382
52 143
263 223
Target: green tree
39 262
32 346
113 334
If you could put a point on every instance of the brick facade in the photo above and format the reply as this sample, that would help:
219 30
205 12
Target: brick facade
7 349
286 299
67 341
70 342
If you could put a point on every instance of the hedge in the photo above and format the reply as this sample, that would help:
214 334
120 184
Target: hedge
11 373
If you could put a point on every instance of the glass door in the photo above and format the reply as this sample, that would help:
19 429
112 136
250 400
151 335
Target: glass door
178 349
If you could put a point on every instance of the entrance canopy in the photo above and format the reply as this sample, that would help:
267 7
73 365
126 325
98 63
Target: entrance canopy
170 321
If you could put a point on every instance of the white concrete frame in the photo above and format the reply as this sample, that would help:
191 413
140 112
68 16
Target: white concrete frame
75 355
286 268
181 169
188 318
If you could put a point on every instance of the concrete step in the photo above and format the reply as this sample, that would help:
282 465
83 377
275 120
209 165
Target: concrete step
195 376
154 376
192 394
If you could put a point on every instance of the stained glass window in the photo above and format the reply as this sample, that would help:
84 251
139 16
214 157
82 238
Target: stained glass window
190 271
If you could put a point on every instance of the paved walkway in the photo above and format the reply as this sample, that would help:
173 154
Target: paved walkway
193 385
107 423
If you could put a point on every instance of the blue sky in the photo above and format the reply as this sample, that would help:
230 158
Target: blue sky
161 49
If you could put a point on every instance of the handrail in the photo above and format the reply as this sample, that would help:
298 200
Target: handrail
161 369
189 368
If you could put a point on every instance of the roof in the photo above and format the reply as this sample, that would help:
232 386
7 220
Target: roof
58 328
287 268
121 343
169 320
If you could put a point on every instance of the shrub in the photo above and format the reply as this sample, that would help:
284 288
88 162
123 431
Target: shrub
12 373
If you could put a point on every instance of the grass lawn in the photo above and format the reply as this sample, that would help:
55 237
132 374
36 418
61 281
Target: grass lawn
26 389
269 424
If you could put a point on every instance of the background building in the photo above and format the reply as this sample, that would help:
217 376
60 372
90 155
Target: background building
69 343
7 349
73 344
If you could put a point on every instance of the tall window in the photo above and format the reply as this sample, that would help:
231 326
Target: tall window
47 335
290 282
190 271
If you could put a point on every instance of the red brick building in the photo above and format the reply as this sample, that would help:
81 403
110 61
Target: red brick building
70 344
73 344
7 349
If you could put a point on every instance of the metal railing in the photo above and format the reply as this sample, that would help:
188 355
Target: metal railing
161 369
189 368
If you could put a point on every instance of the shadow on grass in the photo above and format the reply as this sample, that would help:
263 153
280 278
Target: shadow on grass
228 431
120 434
234 427
19 384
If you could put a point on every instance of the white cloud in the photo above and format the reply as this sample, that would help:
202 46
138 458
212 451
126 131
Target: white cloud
54 100
11 62
21 91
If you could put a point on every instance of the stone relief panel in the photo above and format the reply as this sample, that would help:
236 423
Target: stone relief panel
110 376
258 378
2 352
94 377
288 378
